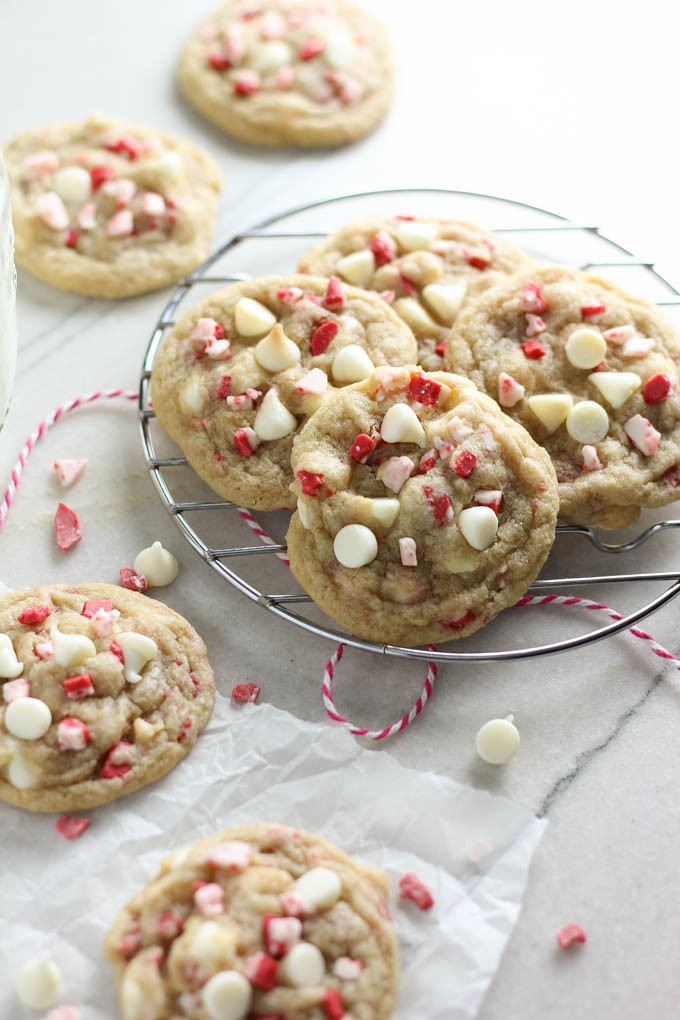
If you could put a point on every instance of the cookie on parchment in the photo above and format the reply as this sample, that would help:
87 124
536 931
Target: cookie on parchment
289 72
110 209
258 921
240 374
422 511
427 269
591 371
104 691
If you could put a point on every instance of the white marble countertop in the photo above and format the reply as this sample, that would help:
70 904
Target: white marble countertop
568 108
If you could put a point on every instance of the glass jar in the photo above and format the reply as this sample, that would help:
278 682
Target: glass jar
8 287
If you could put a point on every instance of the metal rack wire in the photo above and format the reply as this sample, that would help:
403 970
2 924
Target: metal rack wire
536 224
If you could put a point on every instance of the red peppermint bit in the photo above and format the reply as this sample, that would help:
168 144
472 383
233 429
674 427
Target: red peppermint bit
406 284
289 295
224 387
413 889
71 238
245 693
531 299
130 942
405 219
219 61
332 1004
672 478
126 146
591 313
67 527
310 482
334 298
99 175
34 614
170 923
384 248
533 349
570 934
72 734
186 726
70 827
657 388
602 367
195 681
116 650
475 259
464 463
262 971
132 581
312 48
113 770
440 349
92 606
241 443
247 83
280 933
77 687
461 623
427 462
219 331
322 336
362 448
424 391
440 503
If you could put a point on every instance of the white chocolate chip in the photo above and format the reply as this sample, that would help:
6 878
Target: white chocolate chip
414 315
28 718
615 387
10 667
273 419
510 392
355 546
351 364
19 774
385 511
270 56
157 565
587 422
445 299
71 649
497 741
52 210
302 514
227 996
192 397
303 966
478 525
146 731
585 348
277 352
401 425
212 943
321 887
339 51
137 649
551 408
414 234
39 983
252 318
73 184
358 267
168 165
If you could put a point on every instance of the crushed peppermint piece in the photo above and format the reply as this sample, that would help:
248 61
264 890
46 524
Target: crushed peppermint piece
247 83
427 462
209 899
69 471
463 462
593 311
531 299
121 224
362 448
246 441
657 388
316 382
126 146
310 482
67 527
72 734
510 392
347 969
280 933
458 430
489 497
104 621
476 258
395 472
591 461
535 324
132 581
44 649
77 687
642 434
637 347
33 615
570 934
619 335
412 888
100 175
313 47
262 971
332 1004
460 623
70 827
117 762
245 693
384 248
231 856
334 298
290 295
442 510
322 336
408 552
533 349
92 606
13 689
423 390
51 210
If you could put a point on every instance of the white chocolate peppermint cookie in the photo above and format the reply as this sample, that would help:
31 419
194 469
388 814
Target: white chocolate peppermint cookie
289 72
426 269
104 691
591 371
259 921
110 209
423 510
237 378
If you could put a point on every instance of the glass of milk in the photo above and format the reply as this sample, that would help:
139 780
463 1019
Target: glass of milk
8 287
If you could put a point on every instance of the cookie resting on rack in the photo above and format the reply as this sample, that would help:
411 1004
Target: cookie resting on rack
289 72
240 374
427 269
260 921
422 511
109 209
104 691
591 372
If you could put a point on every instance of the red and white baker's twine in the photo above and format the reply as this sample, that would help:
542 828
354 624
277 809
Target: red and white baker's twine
331 666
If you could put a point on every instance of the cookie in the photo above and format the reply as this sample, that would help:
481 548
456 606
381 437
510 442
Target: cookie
427 269
259 921
240 374
109 209
104 691
289 73
591 372
422 511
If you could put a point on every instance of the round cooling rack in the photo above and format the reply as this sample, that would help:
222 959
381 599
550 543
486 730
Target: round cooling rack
221 532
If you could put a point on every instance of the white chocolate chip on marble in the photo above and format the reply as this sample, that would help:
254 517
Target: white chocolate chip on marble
252 318
39 983
551 408
227 996
10 667
273 419
414 315
385 510
157 565
587 422
321 887
355 546
358 267
478 525
497 741
277 352
303 966
28 718
615 387
137 649
585 348
445 299
414 234
192 397
71 649
401 425
351 364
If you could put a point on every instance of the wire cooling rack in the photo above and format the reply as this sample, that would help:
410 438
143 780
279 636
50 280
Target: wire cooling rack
273 246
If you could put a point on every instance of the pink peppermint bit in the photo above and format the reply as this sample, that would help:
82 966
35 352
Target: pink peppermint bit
423 390
69 471
295 905
209 900
231 856
535 324
104 621
384 248
51 210
246 441
427 462
637 347
408 552
247 83
77 687
72 734
280 934
87 217
44 649
531 299
316 382
461 623
33 615
13 689
334 298
313 47
153 204
570 934
64 1013
290 295
41 164
71 828
347 969
395 472
476 257
489 497
67 527
262 972
413 889
169 924
133 581
442 510
642 434
591 461
463 462
510 392
619 335
593 311
121 224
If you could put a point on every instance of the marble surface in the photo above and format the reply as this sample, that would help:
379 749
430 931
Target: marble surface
567 109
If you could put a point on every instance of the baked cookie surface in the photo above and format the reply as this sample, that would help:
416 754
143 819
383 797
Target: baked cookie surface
423 510
239 375
428 269
591 371
260 920
289 72
104 691
110 209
